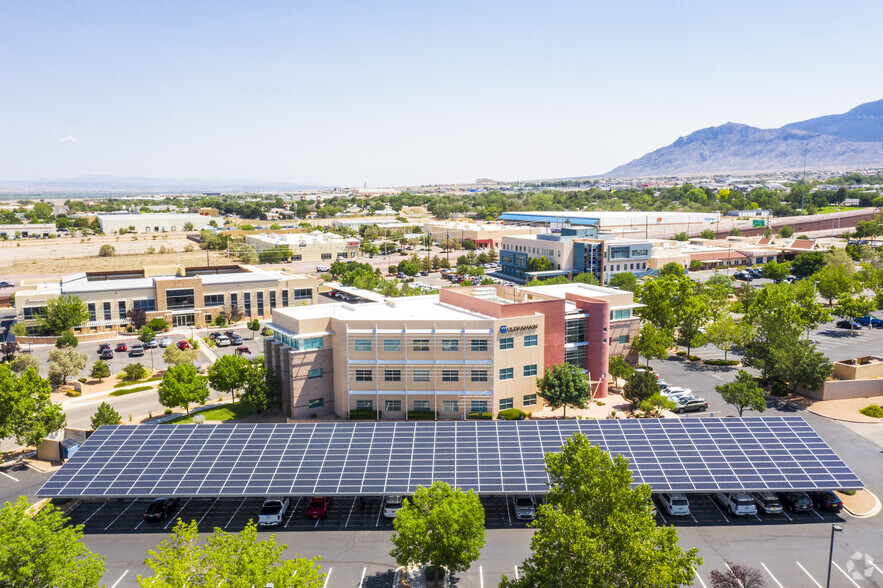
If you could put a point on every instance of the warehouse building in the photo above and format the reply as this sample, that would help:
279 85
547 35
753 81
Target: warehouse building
483 235
152 222
465 350
314 246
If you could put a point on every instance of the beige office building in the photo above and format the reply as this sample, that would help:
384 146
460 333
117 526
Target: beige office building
314 246
484 235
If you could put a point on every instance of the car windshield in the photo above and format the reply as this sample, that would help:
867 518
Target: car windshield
394 501
523 502
155 506
317 503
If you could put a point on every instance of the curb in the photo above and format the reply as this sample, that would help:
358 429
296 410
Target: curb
18 459
844 420
871 513
43 470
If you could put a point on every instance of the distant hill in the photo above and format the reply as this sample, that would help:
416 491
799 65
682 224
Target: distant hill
141 185
733 147
862 123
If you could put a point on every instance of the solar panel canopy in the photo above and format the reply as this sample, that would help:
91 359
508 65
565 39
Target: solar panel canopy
491 457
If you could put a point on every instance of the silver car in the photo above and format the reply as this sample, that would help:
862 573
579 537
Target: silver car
525 507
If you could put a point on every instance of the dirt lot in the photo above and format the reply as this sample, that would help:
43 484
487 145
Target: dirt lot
13 253
52 264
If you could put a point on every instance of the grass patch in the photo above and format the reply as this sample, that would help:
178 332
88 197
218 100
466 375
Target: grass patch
721 362
830 209
847 492
873 410
125 391
228 412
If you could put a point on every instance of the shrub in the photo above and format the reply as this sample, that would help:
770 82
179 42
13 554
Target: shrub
512 414
107 251
73 393
82 380
157 324
220 321
364 413
681 353
421 415
873 410
721 362
168 411
694 357
779 389
847 492
134 372
487 416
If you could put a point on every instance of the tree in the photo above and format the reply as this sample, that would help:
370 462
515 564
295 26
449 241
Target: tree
182 386
67 361
663 298
105 415
562 385
596 530
26 409
786 232
188 226
775 271
228 374
708 234
735 232
807 367
737 576
237 560
100 370
134 372
539 264
248 254
40 550
137 317
832 282
146 335
743 393
852 307
652 343
640 386
586 278
623 281
681 237
806 264
261 388
174 356
727 334
619 368
62 314
66 339
671 269
253 325
157 325
107 250
695 313
23 361
439 526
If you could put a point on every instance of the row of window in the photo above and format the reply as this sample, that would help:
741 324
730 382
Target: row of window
447 345
547 253
624 267
447 375
426 405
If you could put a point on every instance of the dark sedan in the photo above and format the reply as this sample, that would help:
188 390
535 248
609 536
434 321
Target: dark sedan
797 501
846 324
826 501
107 354
160 509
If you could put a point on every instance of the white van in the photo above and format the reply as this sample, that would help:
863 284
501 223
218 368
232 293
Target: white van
674 504
738 503
323 268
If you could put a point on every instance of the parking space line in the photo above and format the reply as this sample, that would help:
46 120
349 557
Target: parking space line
876 568
786 515
516 572
234 513
481 576
714 502
771 575
698 577
10 477
119 515
173 519
141 522
291 516
508 514
208 511
380 512
362 579
817 514
848 577
352 506
317 522
328 577
120 579
807 573
93 514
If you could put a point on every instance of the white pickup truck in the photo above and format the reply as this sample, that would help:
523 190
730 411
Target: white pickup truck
272 511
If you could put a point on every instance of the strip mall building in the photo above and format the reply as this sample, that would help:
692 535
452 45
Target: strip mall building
465 350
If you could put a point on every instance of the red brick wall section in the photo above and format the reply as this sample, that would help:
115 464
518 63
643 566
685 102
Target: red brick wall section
598 336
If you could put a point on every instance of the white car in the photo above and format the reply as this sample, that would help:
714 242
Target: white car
323 268
222 341
674 504
525 507
738 503
272 511
391 506
165 341
677 390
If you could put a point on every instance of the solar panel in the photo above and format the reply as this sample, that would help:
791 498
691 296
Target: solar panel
491 457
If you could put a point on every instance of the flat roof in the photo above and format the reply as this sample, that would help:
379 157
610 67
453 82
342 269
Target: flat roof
561 290
351 458
410 308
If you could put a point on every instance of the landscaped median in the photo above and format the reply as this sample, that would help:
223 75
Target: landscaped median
217 413
862 504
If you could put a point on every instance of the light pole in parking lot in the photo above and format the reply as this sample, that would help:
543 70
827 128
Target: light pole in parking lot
834 529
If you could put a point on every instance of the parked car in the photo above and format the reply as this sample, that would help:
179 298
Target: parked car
5 284
243 351
738 503
121 348
165 341
160 509
743 276
755 272
401 275
826 500
150 344
222 341
691 405
103 346
107 354
136 351
848 324
391 506
525 507
672 390
674 504
663 385
273 510
870 321
183 345
424 273
323 268
797 501
767 502
318 507
235 339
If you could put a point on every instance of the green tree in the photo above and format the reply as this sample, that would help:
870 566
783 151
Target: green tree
807 367
671 269
248 254
806 264
66 339
40 550
775 271
439 526
564 385
619 368
67 362
832 282
735 232
146 335
107 250
786 232
26 409
134 372
695 314
663 299
254 326
262 387
623 281
640 386
854 306
174 356
718 288
23 361
182 386
157 325
652 343
105 415
681 237
539 264
708 234
62 314
100 370
743 393
237 560
727 334
596 529
229 374
586 278
188 226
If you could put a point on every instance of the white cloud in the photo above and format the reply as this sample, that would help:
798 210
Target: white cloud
69 139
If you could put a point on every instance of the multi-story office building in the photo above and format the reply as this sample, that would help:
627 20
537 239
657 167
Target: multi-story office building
315 246
465 350
183 296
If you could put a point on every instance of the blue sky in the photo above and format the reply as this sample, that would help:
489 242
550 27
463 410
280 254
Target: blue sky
394 93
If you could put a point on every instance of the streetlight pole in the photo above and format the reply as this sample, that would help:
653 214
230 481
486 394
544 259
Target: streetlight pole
834 528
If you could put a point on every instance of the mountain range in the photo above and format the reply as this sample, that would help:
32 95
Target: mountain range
841 141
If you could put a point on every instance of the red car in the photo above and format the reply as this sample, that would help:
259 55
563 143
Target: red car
318 507
242 350
183 345
121 347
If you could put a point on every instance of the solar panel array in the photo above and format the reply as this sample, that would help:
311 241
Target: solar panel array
491 457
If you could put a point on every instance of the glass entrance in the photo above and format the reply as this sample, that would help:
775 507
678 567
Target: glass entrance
182 320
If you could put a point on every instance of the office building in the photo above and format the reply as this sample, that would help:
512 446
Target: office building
314 246
152 222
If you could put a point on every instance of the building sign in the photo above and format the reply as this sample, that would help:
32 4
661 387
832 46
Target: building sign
505 329
757 223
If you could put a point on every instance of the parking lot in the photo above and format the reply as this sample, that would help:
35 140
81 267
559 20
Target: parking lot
705 511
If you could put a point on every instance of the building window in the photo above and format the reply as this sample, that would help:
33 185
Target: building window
450 376
314 373
505 403
213 300
284 298
317 403
108 313
145 304
507 343
32 312
297 257
640 252
247 303
392 405
623 338
478 376
364 405
260 304
272 299
179 298
478 345
529 400
362 344
530 370
326 256
575 356
421 405
392 345
311 343
575 331
450 345
91 307
620 314
364 376
234 301
421 375
507 373
420 345
451 405
392 375
619 253
530 340
478 406
121 309
303 294
208 318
